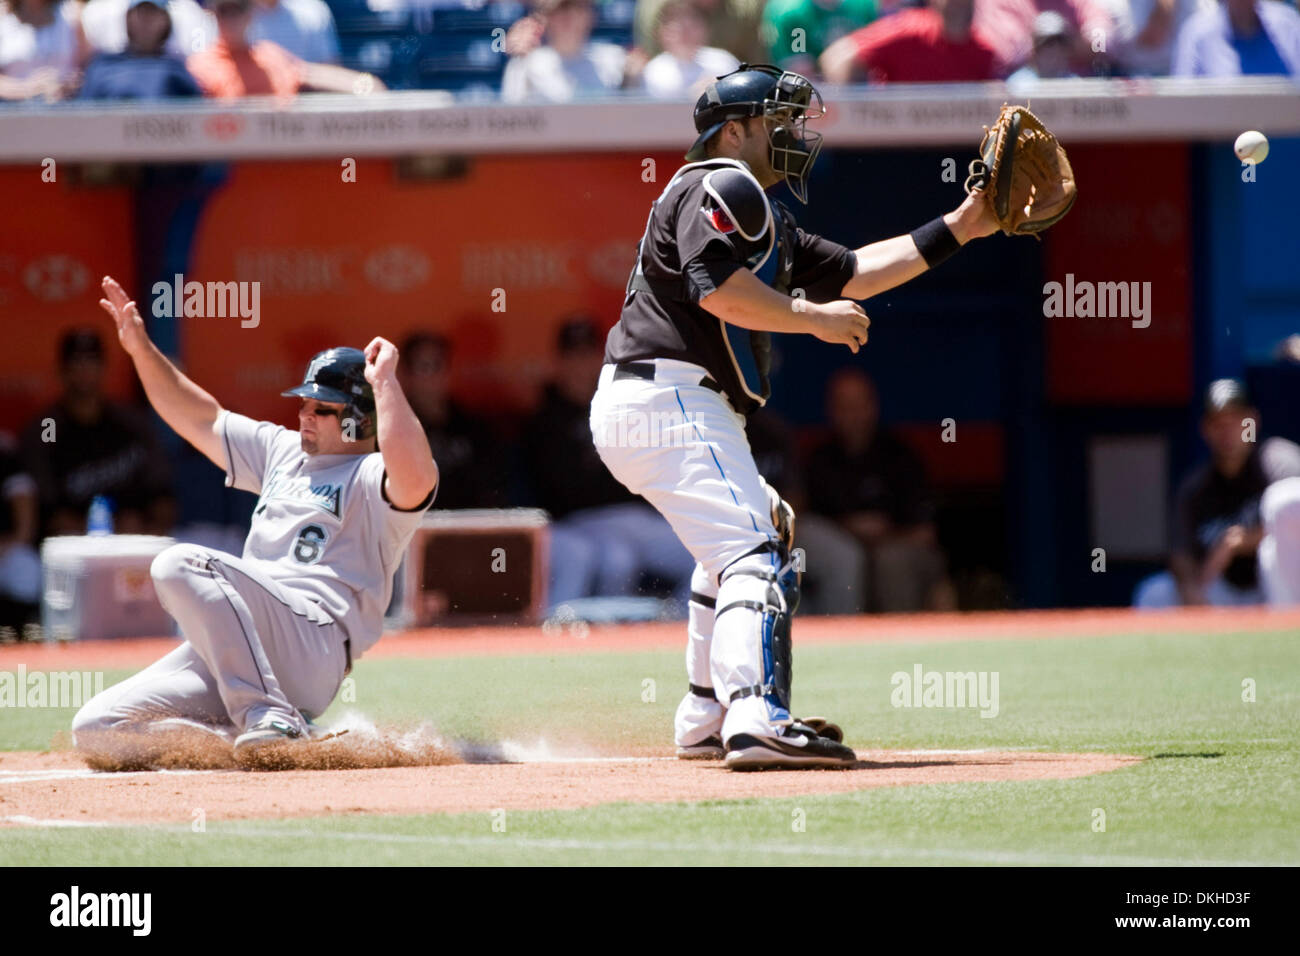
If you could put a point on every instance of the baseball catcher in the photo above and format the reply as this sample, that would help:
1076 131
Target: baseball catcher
722 266
270 635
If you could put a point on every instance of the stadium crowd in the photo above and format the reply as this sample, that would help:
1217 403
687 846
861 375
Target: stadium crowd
558 50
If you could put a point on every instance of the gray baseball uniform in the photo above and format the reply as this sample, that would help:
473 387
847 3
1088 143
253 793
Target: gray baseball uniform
271 633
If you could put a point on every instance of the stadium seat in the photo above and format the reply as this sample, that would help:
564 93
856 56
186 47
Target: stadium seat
390 56
355 16
481 20
461 62
615 14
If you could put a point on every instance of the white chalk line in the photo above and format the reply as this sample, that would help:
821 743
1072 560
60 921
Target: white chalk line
748 849
85 773
22 819
79 773
692 849
589 760
948 753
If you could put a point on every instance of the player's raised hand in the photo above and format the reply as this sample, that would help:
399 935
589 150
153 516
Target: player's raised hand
381 361
842 322
130 326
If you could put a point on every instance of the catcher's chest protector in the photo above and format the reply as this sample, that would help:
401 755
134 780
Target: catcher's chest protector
762 232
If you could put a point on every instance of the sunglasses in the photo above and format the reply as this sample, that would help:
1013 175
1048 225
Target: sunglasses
307 407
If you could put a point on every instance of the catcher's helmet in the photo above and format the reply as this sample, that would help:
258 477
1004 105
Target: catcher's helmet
339 376
785 100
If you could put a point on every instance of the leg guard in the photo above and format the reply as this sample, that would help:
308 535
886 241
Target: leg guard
751 659
699 715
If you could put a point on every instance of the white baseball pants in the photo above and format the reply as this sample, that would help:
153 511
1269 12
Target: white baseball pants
1279 551
253 648
683 447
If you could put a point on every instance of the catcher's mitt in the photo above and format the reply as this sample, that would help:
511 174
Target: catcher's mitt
1024 172
782 515
823 728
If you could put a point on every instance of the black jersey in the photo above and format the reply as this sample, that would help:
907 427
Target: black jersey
692 246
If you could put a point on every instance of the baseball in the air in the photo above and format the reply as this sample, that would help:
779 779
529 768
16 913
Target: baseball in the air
1251 146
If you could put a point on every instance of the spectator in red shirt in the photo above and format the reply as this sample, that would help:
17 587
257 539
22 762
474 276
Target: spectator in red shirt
232 67
935 44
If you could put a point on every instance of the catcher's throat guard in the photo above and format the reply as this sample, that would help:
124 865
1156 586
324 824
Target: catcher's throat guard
1024 173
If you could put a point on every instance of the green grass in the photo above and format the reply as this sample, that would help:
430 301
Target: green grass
1222 784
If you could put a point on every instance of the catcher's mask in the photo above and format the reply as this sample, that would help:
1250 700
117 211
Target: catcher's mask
338 376
785 100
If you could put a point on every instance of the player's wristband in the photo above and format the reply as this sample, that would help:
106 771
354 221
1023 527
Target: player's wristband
935 242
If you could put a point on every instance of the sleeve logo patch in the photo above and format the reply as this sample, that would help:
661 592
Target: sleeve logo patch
720 221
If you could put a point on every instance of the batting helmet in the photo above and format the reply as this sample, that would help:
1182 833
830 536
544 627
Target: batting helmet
339 376
785 100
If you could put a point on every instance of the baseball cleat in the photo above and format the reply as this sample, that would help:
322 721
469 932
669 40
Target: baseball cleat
797 748
263 747
316 733
710 748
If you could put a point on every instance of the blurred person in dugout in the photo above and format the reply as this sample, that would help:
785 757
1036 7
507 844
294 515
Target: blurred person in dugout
238 64
467 451
144 70
604 539
553 58
42 48
874 486
86 445
1236 520
834 561
20 566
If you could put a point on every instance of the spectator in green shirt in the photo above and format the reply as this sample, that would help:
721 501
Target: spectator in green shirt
795 32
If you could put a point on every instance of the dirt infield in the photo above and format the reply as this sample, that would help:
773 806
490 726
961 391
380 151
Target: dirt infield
56 789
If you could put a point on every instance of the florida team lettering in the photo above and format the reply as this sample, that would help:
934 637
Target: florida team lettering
327 497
